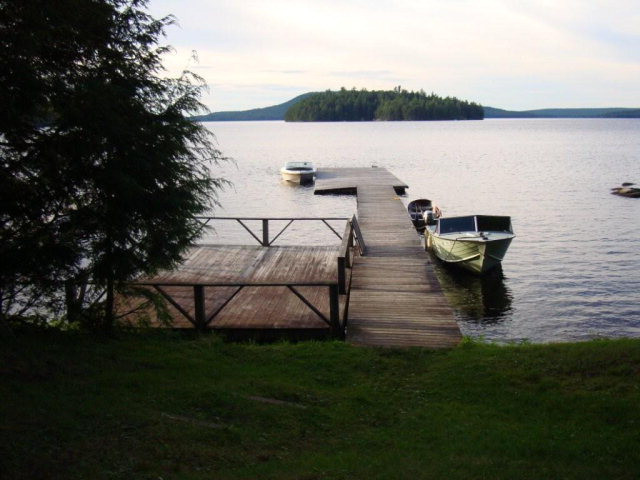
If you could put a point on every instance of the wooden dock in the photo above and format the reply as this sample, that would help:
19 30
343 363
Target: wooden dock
389 296
395 299
264 291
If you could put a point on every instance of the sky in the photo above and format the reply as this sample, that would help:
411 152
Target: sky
516 55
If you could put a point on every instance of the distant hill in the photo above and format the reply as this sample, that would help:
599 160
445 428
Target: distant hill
624 113
277 112
490 112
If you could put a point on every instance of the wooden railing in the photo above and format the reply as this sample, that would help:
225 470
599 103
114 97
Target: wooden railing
263 237
351 237
201 320
358 234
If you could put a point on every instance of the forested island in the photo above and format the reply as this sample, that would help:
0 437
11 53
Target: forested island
277 112
363 105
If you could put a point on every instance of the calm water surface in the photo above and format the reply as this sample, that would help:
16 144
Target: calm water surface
573 272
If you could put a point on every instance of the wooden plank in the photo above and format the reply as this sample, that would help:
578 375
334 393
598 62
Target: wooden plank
236 264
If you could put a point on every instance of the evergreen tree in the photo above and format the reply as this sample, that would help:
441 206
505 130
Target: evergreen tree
102 170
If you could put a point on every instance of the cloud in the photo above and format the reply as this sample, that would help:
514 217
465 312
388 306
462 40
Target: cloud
570 53
363 73
287 72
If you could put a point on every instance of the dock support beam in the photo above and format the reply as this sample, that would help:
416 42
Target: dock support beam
198 303
334 310
265 232
342 276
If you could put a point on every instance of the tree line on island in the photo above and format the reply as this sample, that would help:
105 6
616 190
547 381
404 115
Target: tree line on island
397 104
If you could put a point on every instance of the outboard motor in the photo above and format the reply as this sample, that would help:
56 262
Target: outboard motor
429 217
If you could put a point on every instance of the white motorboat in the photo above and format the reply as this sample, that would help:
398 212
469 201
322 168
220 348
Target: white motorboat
475 242
298 172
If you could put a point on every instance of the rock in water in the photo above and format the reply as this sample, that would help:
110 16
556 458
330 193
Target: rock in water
626 190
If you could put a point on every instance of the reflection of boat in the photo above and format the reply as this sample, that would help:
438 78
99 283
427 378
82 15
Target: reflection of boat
475 242
298 172
477 299
416 210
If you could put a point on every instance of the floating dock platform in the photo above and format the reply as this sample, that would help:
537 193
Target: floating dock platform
255 291
344 181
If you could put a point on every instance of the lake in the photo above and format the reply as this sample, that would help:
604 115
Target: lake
573 271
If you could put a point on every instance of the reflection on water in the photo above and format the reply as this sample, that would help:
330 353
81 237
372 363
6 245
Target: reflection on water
479 299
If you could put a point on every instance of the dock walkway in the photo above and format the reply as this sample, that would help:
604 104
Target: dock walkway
395 299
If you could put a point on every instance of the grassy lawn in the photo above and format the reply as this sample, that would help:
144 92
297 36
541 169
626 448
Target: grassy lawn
173 406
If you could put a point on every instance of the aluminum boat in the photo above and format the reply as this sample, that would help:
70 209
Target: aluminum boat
475 242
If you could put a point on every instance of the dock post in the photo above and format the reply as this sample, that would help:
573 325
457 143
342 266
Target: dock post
351 244
265 232
198 303
342 277
334 311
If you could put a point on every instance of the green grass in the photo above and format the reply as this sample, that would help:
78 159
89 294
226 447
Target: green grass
171 406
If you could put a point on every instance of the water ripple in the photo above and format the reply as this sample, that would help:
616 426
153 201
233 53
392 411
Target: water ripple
573 271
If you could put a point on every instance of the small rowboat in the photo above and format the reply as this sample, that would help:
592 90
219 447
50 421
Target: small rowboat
417 209
422 213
